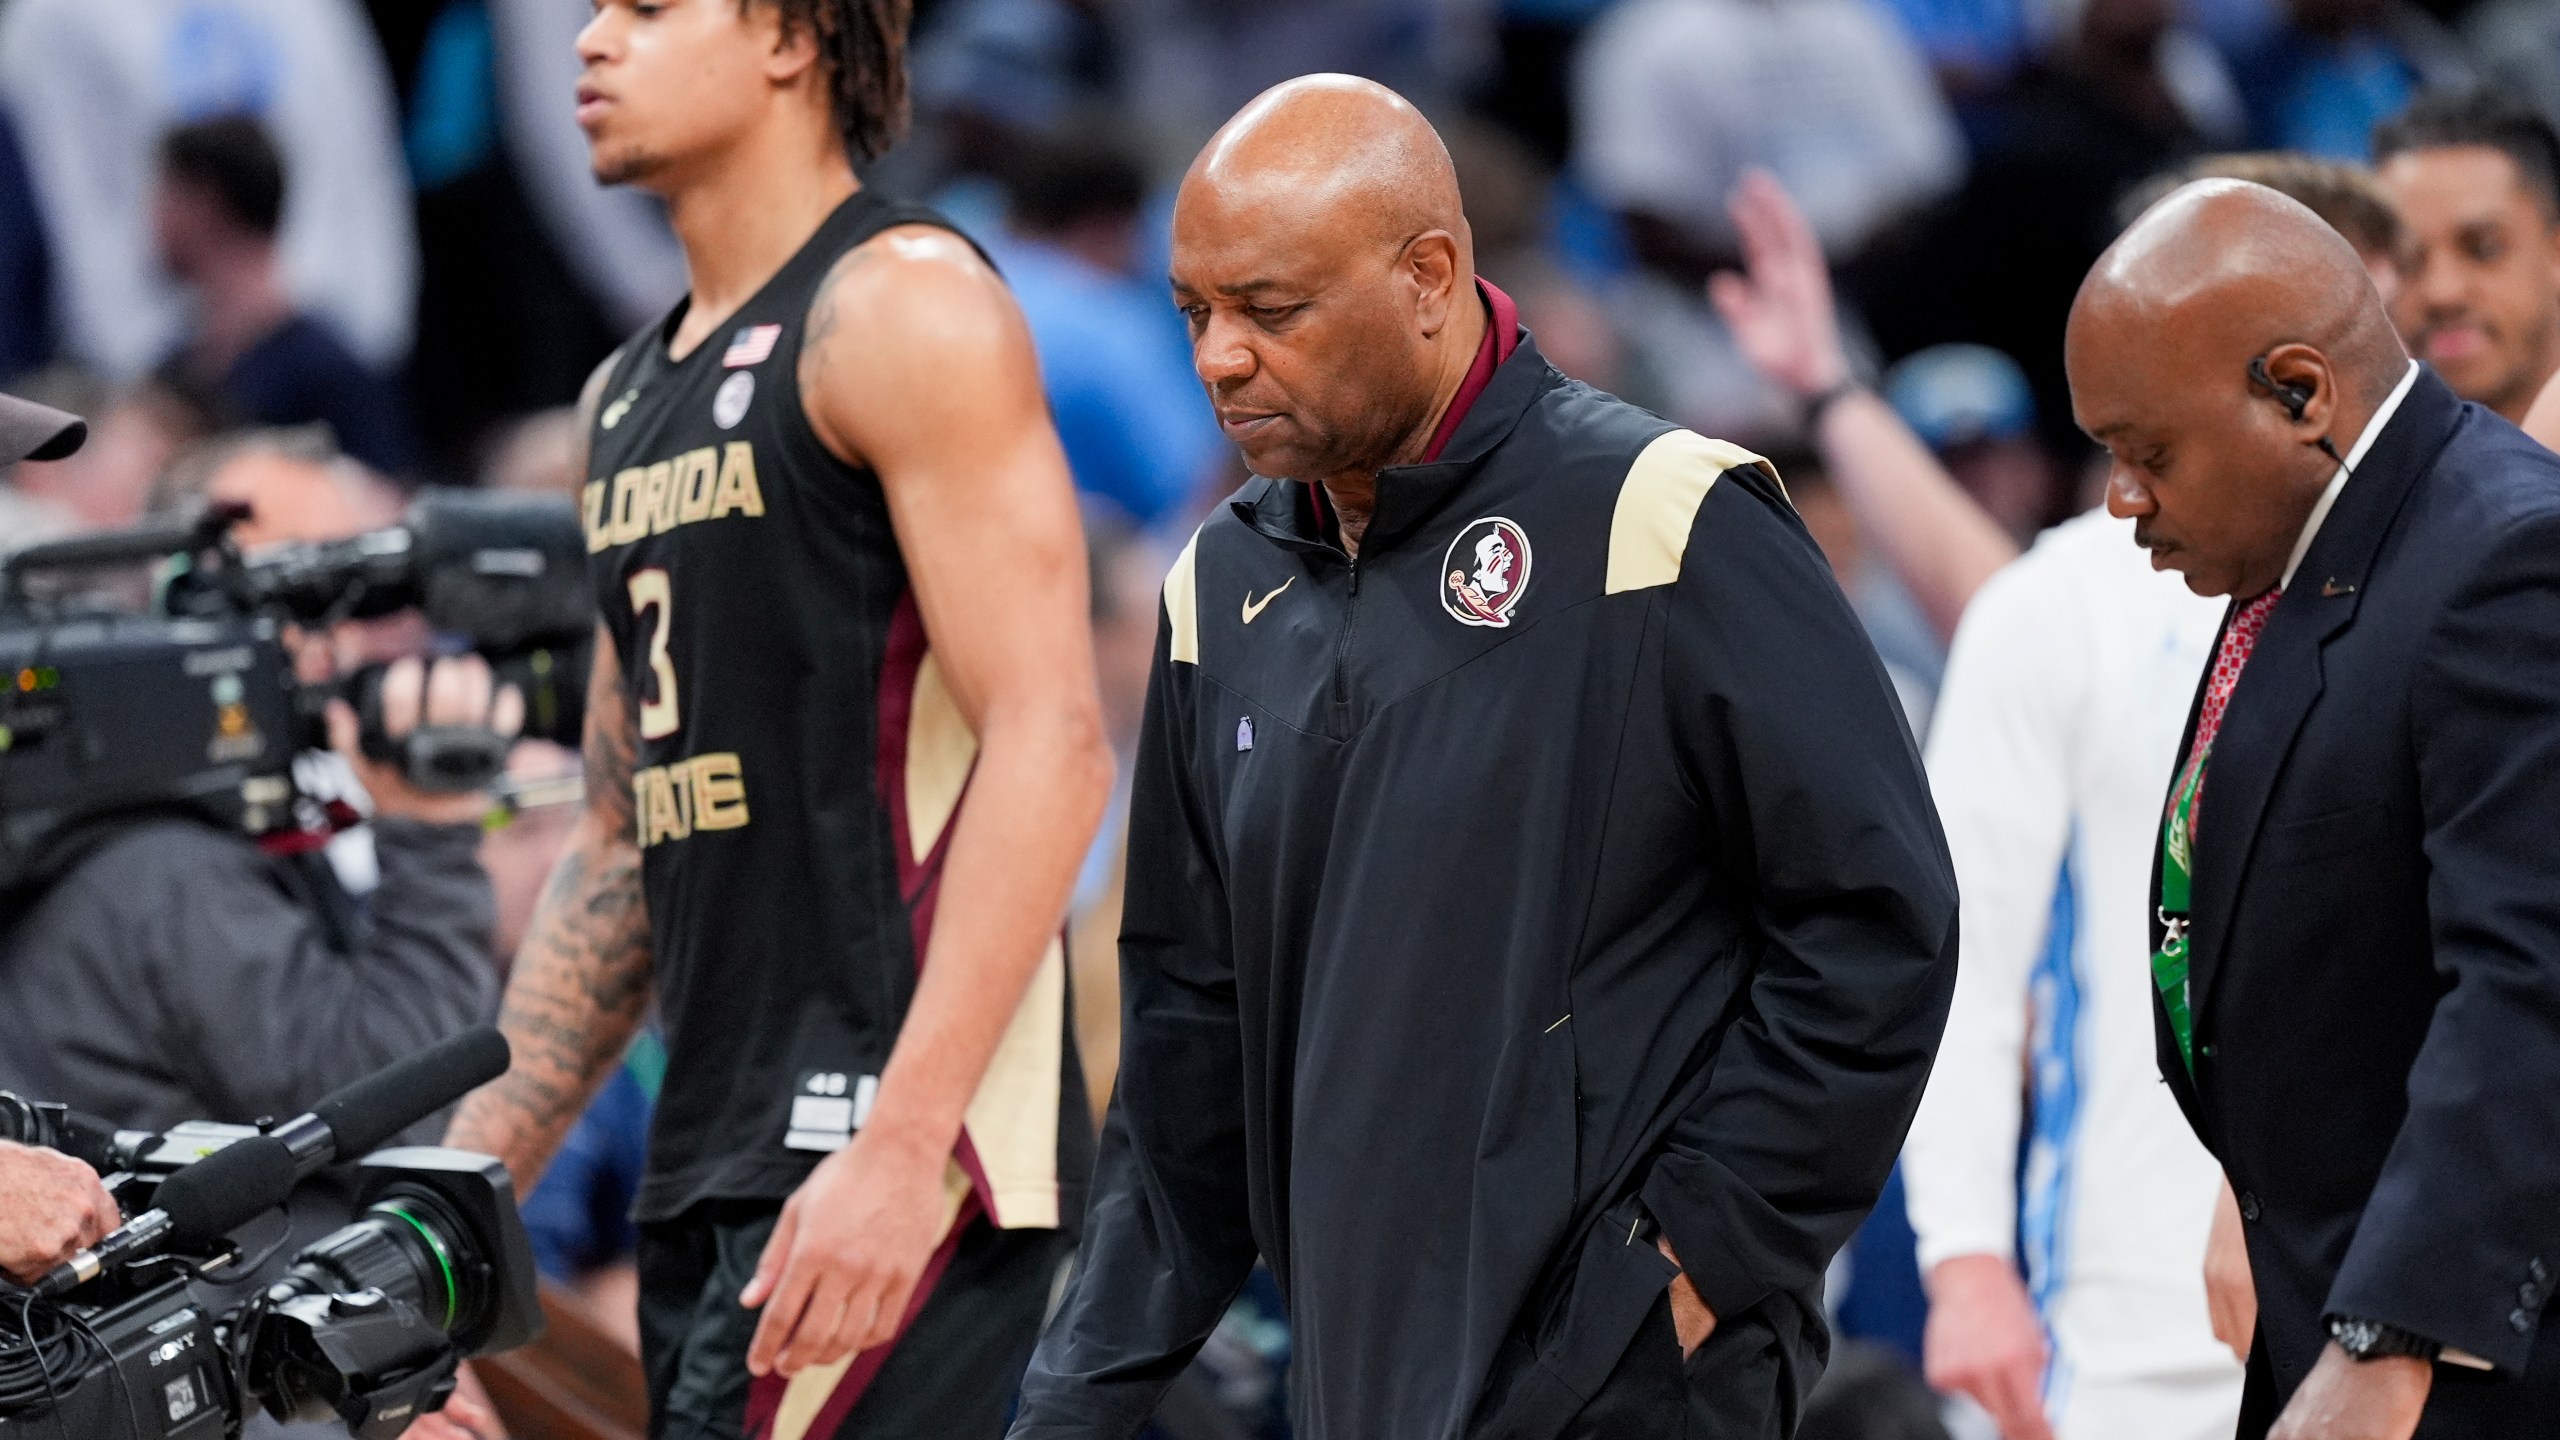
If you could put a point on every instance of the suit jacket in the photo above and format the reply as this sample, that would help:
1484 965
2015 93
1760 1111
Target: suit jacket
2376 922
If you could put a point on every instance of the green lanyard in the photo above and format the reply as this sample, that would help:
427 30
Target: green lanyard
2177 861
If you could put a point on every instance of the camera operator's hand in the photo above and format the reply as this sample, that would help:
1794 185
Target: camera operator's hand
51 1207
453 690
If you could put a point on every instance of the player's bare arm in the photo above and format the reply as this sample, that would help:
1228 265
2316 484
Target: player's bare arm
581 980
986 518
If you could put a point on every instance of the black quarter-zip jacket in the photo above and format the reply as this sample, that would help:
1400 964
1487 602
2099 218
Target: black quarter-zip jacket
1557 869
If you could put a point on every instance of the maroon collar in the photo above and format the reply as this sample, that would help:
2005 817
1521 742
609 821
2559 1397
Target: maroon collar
1501 337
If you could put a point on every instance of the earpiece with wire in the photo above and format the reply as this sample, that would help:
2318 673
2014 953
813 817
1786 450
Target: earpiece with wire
2295 397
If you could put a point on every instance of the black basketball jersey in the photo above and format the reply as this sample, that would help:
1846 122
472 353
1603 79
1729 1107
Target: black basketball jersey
800 764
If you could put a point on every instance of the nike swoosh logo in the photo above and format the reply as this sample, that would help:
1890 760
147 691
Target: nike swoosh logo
1253 607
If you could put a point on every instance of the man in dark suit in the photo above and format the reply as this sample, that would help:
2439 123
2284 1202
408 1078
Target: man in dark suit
2358 933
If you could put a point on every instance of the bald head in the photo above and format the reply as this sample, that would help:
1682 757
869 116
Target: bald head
2221 349
2251 268
1349 159
1322 255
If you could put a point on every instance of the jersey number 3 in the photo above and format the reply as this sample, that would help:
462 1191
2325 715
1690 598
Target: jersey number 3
658 716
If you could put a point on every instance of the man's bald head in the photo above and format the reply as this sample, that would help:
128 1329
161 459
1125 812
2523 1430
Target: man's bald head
1322 254
2194 340
1349 159
2243 265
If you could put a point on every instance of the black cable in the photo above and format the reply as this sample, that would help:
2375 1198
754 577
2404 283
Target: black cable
245 1269
240 1348
17 1395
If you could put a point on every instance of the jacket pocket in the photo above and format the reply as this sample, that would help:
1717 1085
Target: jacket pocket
1573 1338
1615 1281
2317 837
1583 1327
1749 1380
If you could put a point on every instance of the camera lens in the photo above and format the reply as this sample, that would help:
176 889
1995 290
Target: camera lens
409 1246
374 1309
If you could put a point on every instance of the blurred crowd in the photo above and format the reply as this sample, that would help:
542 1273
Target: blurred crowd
368 228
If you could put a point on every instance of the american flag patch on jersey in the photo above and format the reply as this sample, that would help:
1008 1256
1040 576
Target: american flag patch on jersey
750 346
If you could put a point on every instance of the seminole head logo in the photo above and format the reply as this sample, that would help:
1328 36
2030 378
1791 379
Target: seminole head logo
1486 570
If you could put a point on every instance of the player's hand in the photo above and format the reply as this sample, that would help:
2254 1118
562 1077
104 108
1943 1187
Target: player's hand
843 1262
467 1414
1780 311
1691 1320
1984 1341
2230 1292
457 690
2349 1399
51 1208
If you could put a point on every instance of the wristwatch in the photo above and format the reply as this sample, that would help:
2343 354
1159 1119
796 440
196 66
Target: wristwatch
2373 1340
1820 403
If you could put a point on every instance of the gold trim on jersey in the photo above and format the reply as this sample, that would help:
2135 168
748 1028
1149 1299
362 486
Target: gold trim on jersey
1013 1116
1658 506
940 750
1182 604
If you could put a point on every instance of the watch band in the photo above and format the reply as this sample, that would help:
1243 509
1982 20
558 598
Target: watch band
1820 402
2373 1340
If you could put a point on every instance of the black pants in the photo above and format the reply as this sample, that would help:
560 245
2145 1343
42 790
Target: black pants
951 1376
1743 1383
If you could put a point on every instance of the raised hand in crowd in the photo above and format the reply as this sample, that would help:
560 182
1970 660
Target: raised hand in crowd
1783 318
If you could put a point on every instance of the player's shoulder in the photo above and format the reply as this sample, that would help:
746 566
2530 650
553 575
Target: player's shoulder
915 280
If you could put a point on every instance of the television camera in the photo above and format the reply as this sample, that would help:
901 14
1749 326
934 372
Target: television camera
172 688
368 1324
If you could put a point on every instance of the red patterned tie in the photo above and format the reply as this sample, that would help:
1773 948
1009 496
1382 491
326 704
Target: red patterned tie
2237 642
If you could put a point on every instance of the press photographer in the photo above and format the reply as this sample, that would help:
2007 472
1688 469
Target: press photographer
158 966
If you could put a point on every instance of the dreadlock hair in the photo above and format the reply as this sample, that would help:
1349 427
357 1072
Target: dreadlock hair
862 50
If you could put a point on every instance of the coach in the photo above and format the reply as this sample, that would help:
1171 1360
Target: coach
1538 932
2358 888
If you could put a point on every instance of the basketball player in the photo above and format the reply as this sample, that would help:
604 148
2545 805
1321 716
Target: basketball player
844 754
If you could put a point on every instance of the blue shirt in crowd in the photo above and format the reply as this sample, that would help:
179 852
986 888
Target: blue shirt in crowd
1137 429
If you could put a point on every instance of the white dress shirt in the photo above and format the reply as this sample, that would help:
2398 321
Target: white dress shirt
2338 481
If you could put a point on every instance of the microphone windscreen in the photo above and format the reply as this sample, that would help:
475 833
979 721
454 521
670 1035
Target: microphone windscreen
228 1188
363 1115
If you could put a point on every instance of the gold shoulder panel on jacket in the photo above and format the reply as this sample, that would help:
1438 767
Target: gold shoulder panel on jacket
1658 504
1182 604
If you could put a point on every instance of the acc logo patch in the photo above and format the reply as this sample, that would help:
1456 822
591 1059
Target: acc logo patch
1485 571
729 405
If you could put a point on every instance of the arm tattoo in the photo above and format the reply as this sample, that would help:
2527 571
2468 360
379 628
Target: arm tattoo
581 981
826 315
